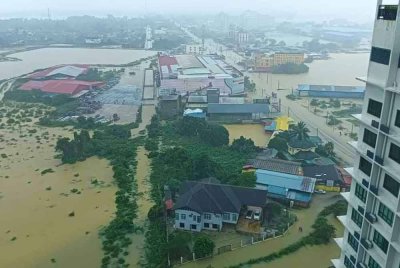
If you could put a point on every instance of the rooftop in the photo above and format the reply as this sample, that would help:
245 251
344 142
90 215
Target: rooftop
278 165
287 181
72 70
217 108
217 198
60 86
329 172
301 144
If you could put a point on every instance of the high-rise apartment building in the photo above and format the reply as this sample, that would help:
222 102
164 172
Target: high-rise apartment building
372 224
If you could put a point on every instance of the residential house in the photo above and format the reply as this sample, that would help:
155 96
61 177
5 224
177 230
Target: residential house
296 145
203 205
327 177
290 188
169 106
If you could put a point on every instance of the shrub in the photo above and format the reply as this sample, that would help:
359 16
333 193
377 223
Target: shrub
203 246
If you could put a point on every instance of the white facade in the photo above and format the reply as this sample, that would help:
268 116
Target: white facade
194 49
193 221
372 223
149 38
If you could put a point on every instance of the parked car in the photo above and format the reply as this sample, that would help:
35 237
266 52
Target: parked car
320 192
257 215
249 214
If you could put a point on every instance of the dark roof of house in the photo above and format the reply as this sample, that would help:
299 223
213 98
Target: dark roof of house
217 108
278 165
306 155
197 99
217 198
301 144
328 172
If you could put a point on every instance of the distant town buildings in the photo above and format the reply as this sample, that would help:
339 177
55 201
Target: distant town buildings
239 36
196 49
264 62
149 38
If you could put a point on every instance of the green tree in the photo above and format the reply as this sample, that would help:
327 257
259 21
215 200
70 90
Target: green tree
314 102
203 246
243 145
279 144
246 179
215 135
323 231
299 131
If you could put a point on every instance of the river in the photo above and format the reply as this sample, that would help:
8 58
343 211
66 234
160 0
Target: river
47 57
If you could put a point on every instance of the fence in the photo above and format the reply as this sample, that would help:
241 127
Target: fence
236 244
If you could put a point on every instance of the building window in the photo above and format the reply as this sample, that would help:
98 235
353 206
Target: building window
380 55
397 120
206 225
374 108
234 217
365 166
391 185
181 225
361 193
356 217
369 138
352 242
347 262
215 226
372 263
226 217
176 216
183 216
198 219
394 152
386 214
380 241
193 227
207 216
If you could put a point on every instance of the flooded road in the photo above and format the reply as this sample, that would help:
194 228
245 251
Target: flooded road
306 218
36 226
144 202
255 132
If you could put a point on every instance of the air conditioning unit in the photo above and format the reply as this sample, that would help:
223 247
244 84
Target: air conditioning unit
368 244
373 217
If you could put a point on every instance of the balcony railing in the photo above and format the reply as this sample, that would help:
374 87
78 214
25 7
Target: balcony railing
387 12
371 217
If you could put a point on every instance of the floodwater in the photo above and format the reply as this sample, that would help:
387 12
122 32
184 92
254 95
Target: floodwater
255 132
341 69
36 227
306 218
47 57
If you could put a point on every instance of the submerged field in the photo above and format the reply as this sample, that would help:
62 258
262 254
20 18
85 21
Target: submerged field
52 213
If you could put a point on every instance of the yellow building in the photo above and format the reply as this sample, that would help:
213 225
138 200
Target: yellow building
284 58
264 61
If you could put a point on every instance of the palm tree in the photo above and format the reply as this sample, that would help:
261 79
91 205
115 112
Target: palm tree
299 131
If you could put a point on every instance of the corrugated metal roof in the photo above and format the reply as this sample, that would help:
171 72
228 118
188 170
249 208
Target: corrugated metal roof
217 108
288 181
60 86
278 165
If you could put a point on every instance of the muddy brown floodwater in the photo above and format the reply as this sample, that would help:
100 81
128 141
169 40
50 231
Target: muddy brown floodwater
255 132
35 227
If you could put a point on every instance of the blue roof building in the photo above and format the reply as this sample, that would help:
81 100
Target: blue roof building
330 91
286 187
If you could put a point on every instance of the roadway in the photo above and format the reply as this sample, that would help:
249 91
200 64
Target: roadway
316 124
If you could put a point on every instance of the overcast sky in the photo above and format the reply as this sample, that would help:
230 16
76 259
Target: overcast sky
355 10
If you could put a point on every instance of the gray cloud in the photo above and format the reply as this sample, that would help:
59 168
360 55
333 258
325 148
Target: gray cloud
302 9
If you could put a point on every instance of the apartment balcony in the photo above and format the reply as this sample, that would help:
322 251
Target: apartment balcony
337 263
367 120
343 219
387 12
339 242
346 196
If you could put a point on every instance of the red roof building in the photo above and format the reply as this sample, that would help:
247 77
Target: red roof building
70 87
